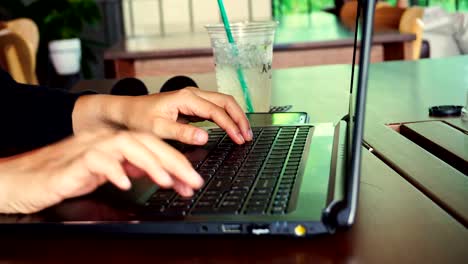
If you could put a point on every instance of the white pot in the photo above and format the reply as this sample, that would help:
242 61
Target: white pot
66 55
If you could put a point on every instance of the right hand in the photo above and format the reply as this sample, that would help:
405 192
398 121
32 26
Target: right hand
76 166
164 114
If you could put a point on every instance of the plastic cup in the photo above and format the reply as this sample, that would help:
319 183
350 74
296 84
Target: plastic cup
252 54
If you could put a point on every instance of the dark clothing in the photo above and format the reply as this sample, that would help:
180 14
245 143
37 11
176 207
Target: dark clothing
32 116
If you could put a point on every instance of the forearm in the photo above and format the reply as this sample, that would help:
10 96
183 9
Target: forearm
32 116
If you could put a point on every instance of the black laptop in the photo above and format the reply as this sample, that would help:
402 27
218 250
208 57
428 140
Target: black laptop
294 180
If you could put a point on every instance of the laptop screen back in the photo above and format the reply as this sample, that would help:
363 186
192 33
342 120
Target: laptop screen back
358 93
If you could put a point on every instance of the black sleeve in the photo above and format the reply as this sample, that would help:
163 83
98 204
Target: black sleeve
32 116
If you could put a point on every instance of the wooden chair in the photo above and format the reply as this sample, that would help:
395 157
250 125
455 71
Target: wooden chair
348 14
27 29
18 49
411 22
387 18
16 58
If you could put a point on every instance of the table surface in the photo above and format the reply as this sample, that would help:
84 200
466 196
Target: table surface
396 222
317 30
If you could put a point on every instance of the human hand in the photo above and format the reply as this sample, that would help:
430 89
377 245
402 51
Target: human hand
78 165
164 114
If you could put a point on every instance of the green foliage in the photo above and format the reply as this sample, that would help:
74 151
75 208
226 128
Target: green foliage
448 5
63 19
285 7
56 19
60 19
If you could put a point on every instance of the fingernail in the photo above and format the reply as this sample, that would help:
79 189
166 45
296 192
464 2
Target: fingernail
250 133
240 137
199 180
126 183
200 137
188 191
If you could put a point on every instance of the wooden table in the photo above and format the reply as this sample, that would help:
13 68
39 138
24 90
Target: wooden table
397 222
301 40
410 219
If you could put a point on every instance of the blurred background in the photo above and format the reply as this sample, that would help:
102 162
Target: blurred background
101 24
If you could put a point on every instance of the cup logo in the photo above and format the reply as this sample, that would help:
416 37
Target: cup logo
266 68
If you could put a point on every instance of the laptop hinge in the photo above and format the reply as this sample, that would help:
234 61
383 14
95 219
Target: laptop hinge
336 191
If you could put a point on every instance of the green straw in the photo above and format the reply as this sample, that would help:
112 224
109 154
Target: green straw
240 74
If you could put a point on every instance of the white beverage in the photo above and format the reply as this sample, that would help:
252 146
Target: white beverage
258 81
251 54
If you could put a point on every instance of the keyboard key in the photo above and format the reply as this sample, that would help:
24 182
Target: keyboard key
255 210
181 204
164 195
219 184
240 188
228 210
205 204
203 211
242 193
263 192
280 202
281 197
278 210
260 197
234 198
267 184
230 170
211 199
230 204
257 203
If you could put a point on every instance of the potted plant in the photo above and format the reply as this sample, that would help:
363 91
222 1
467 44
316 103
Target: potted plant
63 26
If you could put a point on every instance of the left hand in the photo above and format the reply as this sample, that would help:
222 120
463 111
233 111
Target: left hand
163 114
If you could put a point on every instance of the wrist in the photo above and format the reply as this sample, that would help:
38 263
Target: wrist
98 111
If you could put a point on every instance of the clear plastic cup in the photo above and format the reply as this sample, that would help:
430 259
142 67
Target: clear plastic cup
254 56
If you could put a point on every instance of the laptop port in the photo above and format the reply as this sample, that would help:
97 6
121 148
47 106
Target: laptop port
260 230
231 228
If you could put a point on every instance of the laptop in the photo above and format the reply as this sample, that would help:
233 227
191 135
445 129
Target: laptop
292 180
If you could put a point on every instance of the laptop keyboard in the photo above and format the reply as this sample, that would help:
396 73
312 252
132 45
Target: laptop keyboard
255 178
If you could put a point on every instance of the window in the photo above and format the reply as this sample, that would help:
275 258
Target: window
163 17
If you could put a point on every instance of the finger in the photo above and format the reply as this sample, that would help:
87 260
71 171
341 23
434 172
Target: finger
133 171
140 156
201 107
183 189
188 134
100 163
231 107
172 161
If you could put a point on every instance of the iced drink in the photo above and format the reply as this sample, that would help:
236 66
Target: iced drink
252 54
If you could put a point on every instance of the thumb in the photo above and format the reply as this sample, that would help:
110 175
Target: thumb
188 134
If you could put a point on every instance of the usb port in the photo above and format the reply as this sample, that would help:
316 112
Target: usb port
231 228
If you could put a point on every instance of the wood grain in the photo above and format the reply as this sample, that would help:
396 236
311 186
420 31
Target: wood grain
442 140
445 185
410 219
395 224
